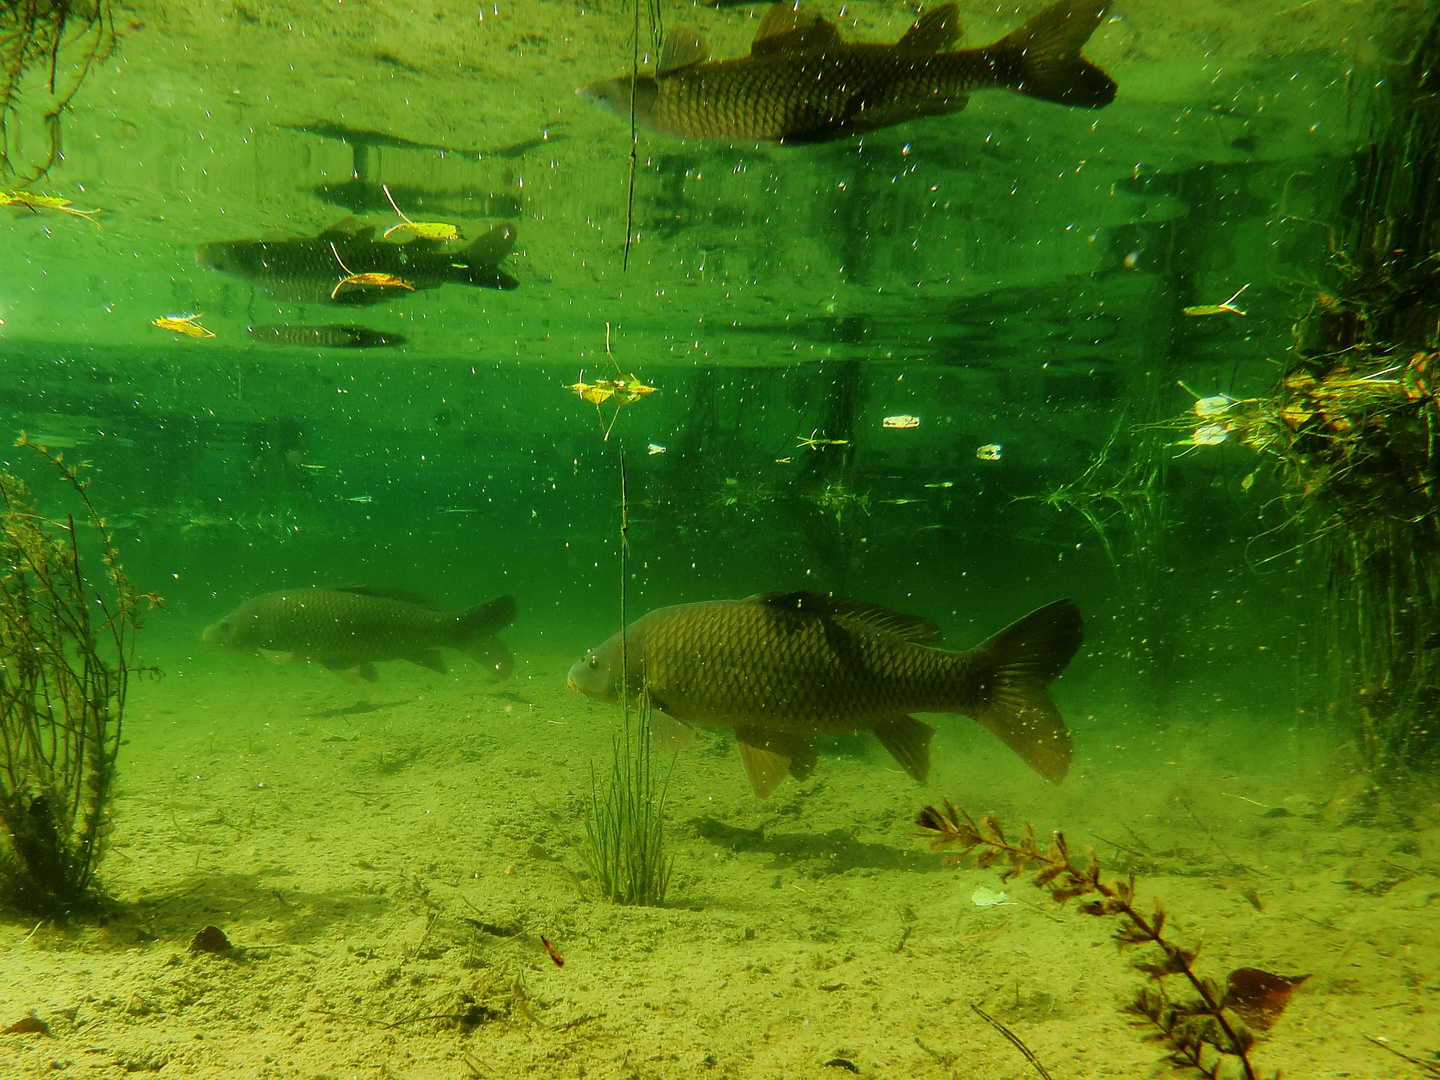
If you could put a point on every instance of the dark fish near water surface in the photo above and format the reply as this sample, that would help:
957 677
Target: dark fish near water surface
329 336
782 668
349 630
305 268
802 83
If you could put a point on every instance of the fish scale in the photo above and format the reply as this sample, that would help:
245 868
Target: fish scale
773 98
738 658
803 83
781 668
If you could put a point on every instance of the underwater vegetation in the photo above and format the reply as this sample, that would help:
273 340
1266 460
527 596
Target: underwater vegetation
1351 428
1206 1030
51 42
624 850
67 651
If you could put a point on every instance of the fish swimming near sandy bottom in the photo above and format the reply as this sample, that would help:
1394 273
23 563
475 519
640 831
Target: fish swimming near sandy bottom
328 336
350 629
306 268
802 83
782 668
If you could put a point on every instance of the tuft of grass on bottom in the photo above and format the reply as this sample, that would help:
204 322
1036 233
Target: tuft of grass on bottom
625 821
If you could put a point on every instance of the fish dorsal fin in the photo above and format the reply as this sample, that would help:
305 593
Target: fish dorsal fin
914 628
936 31
783 29
682 48
386 594
347 228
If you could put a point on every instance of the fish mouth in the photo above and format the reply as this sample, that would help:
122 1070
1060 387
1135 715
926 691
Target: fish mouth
571 683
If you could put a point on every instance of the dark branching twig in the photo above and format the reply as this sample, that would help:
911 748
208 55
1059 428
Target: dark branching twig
1201 1031
1014 1039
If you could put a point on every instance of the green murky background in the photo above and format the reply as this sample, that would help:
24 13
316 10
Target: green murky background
1012 275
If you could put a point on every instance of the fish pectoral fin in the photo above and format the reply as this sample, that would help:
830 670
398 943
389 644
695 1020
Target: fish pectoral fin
786 30
682 49
367 672
908 741
279 656
428 658
764 767
935 31
669 735
491 654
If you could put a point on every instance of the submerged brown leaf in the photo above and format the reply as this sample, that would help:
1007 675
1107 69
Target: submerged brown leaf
1260 996
211 939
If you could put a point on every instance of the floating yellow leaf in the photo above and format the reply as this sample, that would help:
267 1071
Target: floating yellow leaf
183 324
425 230
36 203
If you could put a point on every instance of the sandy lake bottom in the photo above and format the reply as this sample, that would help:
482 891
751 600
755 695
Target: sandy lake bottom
385 859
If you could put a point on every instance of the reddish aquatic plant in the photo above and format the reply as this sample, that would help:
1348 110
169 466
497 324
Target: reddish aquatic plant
1201 1030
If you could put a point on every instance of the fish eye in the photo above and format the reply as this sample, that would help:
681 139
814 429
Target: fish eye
224 627
592 661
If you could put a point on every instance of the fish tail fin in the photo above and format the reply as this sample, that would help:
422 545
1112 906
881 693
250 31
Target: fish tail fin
1015 666
477 627
1042 59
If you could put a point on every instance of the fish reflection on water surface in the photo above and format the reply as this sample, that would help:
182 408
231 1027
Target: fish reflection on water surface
328 336
306 268
782 668
802 83
350 629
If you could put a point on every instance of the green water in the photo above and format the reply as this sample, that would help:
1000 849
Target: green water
1014 275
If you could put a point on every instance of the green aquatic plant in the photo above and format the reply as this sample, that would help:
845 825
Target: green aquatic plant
67 651
1349 431
1207 1030
625 819
49 46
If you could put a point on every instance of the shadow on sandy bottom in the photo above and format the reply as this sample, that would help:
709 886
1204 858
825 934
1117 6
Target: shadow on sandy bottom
832 852
250 908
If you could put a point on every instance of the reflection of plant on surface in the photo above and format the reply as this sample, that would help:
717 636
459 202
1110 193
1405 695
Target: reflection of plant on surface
746 497
839 501
66 654
1205 1032
1113 499
49 45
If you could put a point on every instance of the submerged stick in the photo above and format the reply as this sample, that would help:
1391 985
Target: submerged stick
1015 1040
634 160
